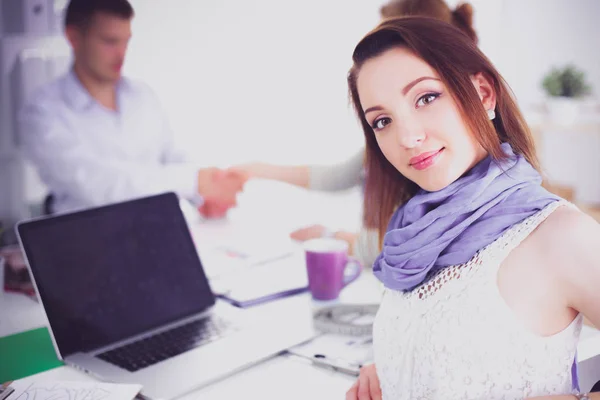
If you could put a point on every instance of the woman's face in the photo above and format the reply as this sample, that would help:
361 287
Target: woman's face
415 120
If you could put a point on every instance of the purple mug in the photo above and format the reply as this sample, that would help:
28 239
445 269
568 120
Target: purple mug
327 265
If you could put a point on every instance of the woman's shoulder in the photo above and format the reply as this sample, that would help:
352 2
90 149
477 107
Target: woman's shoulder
567 223
566 233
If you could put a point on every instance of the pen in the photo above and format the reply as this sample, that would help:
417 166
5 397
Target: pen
322 361
5 392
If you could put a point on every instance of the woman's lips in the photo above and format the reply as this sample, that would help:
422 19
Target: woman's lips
425 160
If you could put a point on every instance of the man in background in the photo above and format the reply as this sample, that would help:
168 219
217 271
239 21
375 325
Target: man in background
97 137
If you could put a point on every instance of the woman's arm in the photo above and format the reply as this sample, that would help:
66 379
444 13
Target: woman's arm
591 396
298 175
363 245
366 246
333 177
341 176
576 260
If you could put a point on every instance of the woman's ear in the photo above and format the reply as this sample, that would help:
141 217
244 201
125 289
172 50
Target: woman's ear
485 89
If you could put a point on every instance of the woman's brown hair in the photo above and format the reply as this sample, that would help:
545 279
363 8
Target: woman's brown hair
455 57
461 16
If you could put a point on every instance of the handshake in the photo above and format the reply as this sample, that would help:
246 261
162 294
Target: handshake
219 189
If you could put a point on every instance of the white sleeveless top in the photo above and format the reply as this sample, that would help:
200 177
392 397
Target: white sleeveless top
456 338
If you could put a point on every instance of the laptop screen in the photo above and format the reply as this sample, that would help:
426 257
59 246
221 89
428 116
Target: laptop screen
109 273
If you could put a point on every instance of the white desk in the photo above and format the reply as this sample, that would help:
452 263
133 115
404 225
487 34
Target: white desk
284 376
259 215
280 377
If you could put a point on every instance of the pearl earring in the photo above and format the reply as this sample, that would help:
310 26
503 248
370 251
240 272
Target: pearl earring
491 114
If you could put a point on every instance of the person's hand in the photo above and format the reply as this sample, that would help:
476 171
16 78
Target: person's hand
211 209
219 190
309 232
367 385
252 170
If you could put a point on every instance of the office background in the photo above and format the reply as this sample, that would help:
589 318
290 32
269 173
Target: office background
265 80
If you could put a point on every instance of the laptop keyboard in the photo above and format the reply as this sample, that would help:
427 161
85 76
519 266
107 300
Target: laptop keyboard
167 344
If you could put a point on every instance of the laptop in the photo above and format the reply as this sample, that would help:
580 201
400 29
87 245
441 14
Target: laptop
127 299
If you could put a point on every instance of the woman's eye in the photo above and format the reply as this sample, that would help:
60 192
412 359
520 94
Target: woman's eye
381 123
427 99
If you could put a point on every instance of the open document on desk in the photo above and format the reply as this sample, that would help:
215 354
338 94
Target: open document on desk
265 282
225 255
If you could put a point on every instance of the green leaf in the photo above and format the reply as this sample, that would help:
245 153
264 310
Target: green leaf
567 82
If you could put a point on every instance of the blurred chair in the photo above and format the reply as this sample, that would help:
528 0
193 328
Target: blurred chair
48 204
38 61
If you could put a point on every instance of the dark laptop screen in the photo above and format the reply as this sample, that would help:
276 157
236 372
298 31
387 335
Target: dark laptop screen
112 272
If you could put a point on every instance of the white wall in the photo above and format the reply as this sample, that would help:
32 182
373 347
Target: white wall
526 38
265 79
260 79
544 33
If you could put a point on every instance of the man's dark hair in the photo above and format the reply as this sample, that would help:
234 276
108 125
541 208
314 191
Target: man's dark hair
79 13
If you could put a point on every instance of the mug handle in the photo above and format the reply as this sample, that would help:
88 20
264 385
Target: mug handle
353 275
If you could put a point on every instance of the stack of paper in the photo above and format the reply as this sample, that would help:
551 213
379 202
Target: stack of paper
33 389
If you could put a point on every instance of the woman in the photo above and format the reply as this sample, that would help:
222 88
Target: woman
487 275
347 174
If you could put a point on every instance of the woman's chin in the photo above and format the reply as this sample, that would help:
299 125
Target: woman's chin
434 185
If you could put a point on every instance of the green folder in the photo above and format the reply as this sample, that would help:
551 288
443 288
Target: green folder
25 354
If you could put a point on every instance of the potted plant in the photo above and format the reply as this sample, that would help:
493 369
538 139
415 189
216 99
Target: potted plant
565 86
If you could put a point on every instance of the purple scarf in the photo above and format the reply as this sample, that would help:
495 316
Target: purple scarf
434 230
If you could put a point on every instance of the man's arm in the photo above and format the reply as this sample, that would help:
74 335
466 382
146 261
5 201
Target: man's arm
67 165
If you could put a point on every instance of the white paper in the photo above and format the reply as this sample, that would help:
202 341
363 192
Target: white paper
32 389
277 276
240 255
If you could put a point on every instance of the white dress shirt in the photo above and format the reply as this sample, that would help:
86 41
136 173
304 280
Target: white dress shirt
89 155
